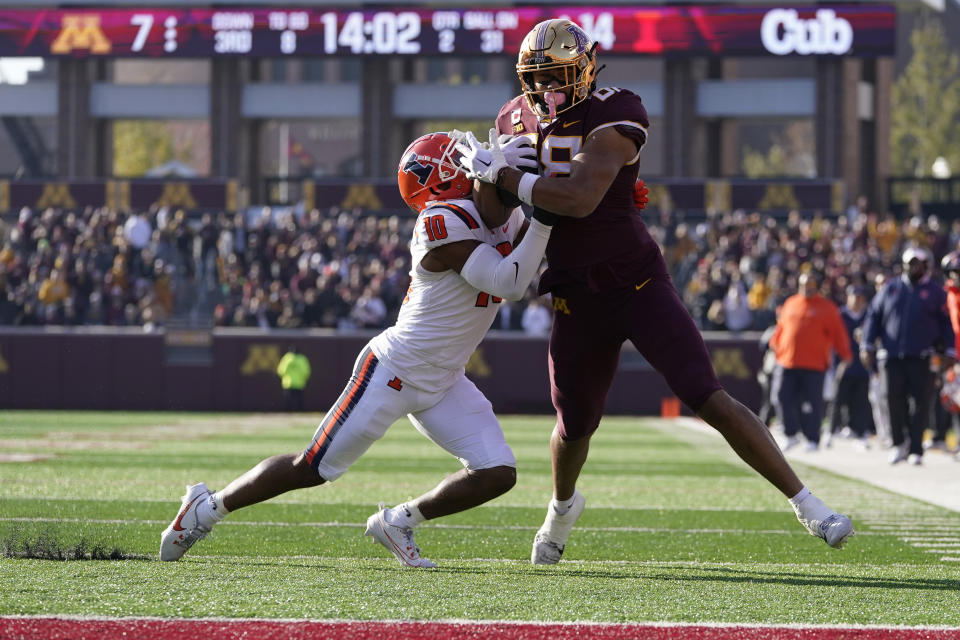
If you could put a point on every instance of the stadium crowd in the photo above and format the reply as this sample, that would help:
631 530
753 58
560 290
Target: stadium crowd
346 269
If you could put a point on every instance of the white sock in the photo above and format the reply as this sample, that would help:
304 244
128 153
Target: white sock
406 515
211 511
810 508
562 506
797 499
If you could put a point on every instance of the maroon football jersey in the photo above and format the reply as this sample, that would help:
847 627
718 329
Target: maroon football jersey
611 247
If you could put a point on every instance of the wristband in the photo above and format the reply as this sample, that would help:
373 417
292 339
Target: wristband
525 188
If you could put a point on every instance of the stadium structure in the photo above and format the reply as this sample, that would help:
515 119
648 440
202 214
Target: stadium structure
283 101
309 106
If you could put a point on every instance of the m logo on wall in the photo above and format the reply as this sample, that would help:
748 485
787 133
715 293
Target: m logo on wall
56 194
80 31
176 194
363 196
729 362
261 358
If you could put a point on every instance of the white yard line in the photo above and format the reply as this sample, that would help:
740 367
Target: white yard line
459 527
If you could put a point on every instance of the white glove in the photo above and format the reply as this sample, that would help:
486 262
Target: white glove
479 162
518 151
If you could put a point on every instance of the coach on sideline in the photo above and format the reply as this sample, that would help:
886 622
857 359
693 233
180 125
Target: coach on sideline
909 318
808 327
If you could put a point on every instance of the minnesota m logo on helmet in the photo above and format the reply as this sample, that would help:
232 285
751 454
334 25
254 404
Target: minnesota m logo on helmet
581 38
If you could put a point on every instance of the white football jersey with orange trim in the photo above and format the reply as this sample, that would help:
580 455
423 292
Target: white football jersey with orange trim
443 317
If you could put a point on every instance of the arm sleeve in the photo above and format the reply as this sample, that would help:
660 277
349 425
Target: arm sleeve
507 277
516 223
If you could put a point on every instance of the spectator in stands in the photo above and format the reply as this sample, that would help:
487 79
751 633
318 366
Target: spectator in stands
510 316
54 289
908 319
369 311
808 328
764 252
736 309
537 319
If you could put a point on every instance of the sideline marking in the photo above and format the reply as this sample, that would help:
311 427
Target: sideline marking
62 628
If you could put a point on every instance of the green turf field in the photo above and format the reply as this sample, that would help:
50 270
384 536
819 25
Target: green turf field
676 529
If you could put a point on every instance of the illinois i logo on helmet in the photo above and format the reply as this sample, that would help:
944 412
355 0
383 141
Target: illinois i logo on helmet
429 172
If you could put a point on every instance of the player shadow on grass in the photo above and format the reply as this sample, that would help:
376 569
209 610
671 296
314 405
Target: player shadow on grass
814 580
741 576
572 571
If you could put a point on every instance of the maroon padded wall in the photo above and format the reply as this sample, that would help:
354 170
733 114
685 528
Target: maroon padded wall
128 369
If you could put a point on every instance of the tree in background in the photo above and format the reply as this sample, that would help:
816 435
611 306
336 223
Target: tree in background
140 145
790 153
926 105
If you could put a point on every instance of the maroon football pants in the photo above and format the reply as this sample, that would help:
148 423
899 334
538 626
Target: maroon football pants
589 329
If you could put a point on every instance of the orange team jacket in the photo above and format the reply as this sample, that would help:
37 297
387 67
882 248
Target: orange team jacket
807 330
953 308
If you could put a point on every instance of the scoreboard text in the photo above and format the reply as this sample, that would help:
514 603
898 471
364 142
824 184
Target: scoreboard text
859 30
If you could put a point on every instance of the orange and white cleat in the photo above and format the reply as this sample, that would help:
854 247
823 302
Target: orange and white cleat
397 540
186 528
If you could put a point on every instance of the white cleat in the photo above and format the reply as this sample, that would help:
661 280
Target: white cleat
398 541
185 530
835 530
551 539
823 522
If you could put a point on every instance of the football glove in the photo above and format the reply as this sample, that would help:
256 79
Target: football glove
478 161
483 161
518 151
641 195
523 143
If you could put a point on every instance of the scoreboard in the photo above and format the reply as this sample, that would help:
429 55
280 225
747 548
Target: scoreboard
860 30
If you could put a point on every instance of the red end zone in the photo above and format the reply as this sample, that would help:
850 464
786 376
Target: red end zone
154 629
